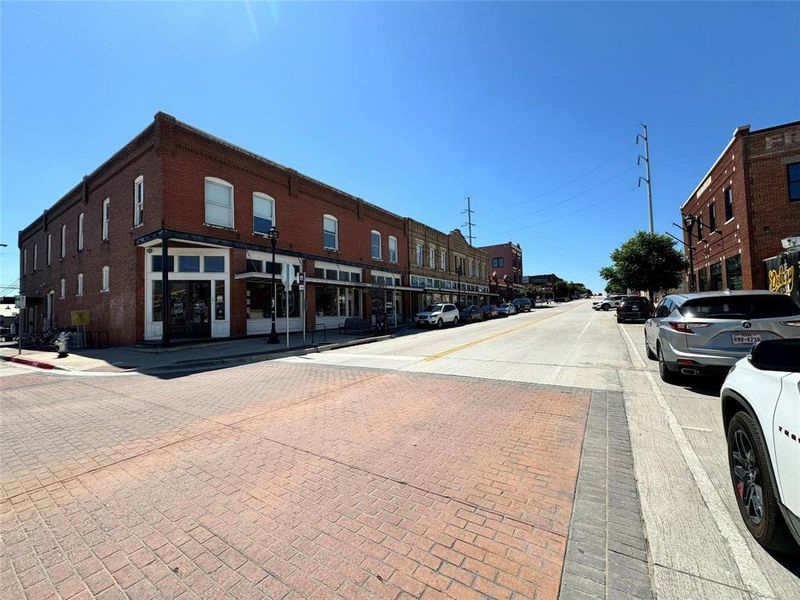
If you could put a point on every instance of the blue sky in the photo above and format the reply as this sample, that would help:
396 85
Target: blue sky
531 109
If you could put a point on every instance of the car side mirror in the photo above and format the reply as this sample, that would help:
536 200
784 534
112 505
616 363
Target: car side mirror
776 355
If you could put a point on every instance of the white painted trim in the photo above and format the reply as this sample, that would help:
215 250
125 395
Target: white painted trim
273 218
336 221
396 250
223 183
138 201
380 245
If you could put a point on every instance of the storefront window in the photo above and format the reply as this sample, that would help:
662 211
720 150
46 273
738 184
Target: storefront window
219 300
189 264
337 301
702 277
716 276
256 266
258 301
733 272
157 263
214 264
158 300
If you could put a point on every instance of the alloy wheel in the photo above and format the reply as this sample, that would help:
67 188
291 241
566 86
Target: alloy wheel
747 476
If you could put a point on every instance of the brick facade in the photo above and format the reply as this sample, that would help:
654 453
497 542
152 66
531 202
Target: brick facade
505 266
752 174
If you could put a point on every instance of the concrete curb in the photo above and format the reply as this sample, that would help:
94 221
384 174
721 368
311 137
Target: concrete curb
39 364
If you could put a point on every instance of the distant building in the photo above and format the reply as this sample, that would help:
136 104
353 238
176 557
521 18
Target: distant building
505 268
741 210
542 286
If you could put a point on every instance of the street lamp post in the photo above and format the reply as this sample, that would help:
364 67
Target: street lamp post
688 220
272 234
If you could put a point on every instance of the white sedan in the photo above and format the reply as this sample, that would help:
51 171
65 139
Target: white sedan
761 415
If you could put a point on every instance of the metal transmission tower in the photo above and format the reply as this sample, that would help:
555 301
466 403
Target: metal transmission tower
469 224
646 159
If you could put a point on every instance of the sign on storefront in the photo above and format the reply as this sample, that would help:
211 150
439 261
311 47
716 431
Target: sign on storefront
79 317
783 273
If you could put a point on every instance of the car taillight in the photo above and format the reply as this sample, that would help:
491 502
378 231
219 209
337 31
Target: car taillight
794 323
687 327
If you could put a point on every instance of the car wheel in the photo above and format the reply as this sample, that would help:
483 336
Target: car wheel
605 307
753 486
439 324
667 375
455 322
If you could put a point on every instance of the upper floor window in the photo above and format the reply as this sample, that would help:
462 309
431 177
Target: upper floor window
431 258
728 194
263 213
25 261
35 256
80 232
138 201
104 285
375 245
392 249
712 217
106 216
219 202
49 248
443 260
63 241
80 284
498 262
793 173
63 288
330 232
420 254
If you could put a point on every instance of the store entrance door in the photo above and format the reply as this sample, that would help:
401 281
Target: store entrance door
190 309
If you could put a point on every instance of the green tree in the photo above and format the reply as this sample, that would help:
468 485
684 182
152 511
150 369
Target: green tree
613 282
648 261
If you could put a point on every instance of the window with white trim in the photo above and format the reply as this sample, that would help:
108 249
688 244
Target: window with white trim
443 260
105 279
392 249
263 213
375 245
106 217
80 284
24 261
138 201
432 257
49 248
420 254
80 232
330 232
63 241
35 257
219 203
63 288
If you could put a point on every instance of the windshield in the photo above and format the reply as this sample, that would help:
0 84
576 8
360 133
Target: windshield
757 306
434 308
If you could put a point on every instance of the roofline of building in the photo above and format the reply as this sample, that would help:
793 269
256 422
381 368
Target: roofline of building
790 124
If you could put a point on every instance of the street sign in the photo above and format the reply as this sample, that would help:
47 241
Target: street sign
19 301
79 317
287 275
301 280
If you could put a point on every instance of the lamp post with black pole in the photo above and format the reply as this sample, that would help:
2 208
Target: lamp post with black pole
688 220
272 234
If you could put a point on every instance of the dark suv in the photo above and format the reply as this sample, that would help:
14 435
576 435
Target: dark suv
634 308
522 304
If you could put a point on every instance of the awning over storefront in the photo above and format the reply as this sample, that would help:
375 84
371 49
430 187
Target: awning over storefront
255 276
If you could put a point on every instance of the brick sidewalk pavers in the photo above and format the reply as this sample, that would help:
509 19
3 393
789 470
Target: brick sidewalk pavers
607 552
285 481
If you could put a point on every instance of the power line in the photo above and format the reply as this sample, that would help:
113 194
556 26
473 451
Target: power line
469 223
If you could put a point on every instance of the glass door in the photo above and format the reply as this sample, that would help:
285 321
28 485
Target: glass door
190 309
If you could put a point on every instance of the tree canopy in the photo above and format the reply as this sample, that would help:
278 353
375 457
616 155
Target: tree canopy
647 261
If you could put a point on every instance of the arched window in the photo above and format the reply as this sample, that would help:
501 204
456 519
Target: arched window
392 249
63 241
63 288
49 248
104 286
80 284
80 232
263 213
138 201
376 245
106 216
219 203
330 232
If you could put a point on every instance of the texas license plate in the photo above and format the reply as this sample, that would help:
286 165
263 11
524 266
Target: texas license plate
745 339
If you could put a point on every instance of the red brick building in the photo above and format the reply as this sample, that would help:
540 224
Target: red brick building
180 194
745 205
505 268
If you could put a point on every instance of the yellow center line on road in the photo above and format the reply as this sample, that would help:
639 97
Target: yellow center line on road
494 336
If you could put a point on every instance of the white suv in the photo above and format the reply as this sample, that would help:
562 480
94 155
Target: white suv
437 315
760 400
607 303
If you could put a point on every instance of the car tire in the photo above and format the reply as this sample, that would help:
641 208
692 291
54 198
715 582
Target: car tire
748 461
439 324
667 375
650 354
605 307
455 322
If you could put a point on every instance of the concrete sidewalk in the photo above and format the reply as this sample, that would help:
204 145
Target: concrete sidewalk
155 359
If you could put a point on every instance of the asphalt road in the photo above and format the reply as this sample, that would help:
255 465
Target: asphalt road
698 545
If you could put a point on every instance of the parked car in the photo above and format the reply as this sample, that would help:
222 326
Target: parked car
437 315
506 309
522 304
760 400
469 314
634 308
707 332
489 311
607 303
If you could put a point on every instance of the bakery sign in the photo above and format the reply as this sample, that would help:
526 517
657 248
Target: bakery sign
782 274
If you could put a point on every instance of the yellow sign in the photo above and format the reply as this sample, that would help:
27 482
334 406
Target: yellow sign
781 279
80 317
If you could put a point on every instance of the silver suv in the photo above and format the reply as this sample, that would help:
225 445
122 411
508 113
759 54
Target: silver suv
608 302
437 315
699 333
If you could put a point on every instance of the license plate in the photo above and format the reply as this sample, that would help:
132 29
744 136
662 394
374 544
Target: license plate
748 339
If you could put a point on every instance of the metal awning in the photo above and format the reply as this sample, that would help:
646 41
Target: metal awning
257 276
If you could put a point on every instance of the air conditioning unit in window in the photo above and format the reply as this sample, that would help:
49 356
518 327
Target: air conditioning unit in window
790 242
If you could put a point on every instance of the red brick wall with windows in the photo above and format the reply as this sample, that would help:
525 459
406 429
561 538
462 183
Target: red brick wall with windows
118 311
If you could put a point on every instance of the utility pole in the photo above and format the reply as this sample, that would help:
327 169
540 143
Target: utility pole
469 223
646 158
